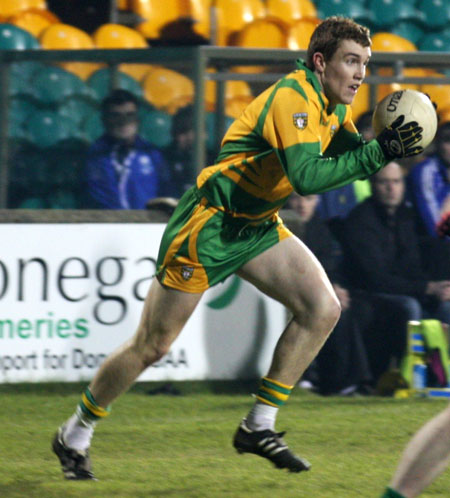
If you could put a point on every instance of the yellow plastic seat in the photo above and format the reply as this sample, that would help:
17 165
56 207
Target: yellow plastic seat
158 13
118 36
444 115
290 11
200 12
388 42
11 7
263 33
137 71
439 93
238 94
35 21
300 32
233 15
61 36
236 105
124 4
361 102
168 90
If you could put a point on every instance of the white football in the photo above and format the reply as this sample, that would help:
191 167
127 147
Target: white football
415 106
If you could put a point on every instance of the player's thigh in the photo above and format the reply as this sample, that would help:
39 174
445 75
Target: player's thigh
165 313
290 273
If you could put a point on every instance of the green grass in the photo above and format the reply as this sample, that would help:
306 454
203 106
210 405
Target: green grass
180 446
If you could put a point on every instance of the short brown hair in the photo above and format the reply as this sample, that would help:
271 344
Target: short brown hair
330 32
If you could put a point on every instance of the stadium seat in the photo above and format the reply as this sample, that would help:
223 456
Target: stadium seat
388 42
34 20
118 36
290 11
233 89
354 9
48 128
156 127
437 13
136 71
434 42
235 106
104 80
157 14
300 32
409 30
263 33
20 108
439 93
387 13
124 4
64 36
11 7
53 84
15 38
233 15
201 12
92 126
444 115
168 90
361 102
61 36
77 107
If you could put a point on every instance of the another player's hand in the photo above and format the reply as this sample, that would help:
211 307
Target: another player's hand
443 225
399 139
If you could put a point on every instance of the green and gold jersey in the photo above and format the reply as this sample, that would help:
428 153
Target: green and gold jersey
287 139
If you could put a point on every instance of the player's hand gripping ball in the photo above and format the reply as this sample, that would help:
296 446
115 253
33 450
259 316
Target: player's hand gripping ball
443 225
405 122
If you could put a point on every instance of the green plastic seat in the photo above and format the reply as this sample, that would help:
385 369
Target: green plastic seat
387 13
53 85
101 83
92 126
47 128
156 127
409 30
436 12
15 38
77 107
354 9
435 42
213 142
20 108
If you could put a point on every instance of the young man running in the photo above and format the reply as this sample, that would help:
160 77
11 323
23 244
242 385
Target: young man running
297 135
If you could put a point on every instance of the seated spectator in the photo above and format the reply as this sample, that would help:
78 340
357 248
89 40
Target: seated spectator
385 263
429 181
341 366
123 170
337 203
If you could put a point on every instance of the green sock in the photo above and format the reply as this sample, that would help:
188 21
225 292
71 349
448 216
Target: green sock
391 493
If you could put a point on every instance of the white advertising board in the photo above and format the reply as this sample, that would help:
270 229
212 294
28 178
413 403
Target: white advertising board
71 293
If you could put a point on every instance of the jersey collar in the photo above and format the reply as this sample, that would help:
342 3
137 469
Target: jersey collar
313 80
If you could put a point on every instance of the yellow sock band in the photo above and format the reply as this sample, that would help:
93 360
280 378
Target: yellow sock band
89 406
273 392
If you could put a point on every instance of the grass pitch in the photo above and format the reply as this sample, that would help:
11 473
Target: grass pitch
180 446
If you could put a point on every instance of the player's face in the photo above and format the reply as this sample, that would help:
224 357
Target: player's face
344 73
121 121
388 186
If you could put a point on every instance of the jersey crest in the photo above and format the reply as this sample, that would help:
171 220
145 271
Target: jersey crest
300 120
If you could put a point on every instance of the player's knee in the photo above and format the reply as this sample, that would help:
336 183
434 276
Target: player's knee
322 314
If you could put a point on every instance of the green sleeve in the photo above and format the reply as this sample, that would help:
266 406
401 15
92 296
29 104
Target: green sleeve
310 172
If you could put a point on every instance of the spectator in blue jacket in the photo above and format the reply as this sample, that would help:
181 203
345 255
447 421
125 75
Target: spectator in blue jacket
123 170
429 182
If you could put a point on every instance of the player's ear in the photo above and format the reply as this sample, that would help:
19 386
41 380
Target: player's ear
319 62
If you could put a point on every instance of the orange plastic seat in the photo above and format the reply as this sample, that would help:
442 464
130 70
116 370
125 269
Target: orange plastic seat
61 36
361 102
290 11
444 115
263 33
158 13
137 71
11 7
388 42
233 15
201 12
118 36
300 32
439 93
168 90
238 94
35 21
